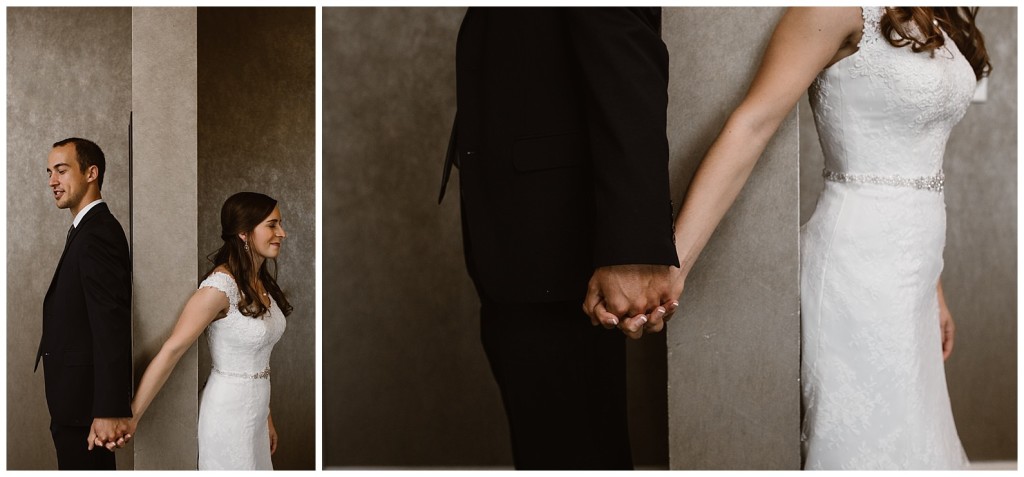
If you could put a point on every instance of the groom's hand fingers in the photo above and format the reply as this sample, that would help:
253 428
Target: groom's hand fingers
590 302
603 316
633 326
91 439
670 308
656 323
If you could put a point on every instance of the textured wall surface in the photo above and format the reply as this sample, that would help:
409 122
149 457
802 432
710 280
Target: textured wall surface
409 384
257 132
980 275
733 349
164 218
68 74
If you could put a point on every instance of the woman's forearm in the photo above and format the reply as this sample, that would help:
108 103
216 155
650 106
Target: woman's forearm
717 182
154 378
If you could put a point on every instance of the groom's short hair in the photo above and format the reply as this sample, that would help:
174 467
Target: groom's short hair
88 154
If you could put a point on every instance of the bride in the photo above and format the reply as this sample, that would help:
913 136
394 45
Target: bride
886 87
243 308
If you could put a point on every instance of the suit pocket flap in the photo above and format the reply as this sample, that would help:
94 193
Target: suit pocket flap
548 152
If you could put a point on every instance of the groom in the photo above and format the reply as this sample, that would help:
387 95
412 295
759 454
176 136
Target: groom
563 165
86 347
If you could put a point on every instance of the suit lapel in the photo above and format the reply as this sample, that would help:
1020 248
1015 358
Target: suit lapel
93 212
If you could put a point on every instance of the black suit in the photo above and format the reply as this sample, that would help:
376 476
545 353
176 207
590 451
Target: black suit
563 161
86 347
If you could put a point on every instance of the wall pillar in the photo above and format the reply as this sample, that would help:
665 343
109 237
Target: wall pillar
733 349
164 102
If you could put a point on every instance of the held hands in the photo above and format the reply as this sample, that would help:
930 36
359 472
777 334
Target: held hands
634 298
110 432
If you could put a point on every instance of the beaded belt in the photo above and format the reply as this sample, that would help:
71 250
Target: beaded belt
265 374
932 183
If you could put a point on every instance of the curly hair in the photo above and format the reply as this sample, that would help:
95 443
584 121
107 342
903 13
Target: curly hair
921 28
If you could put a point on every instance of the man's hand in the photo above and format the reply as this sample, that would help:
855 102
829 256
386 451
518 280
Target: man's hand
632 297
109 432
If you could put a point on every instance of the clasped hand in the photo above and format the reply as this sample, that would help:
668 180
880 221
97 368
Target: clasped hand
633 298
110 432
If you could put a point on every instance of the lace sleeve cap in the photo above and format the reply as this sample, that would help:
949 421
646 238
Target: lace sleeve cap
225 284
871 31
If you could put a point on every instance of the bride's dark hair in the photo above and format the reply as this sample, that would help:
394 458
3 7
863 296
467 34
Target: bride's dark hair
241 213
958 23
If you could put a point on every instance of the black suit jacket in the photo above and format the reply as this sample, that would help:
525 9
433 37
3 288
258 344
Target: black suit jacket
561 147
86 345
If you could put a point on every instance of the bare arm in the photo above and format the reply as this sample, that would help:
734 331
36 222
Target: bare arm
805 41
202 309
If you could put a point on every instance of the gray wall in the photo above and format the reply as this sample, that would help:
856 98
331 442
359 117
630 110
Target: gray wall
733 349
68 74
257 132
406 382
980 275
164 223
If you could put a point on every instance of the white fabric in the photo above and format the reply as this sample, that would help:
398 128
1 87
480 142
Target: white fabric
233 432
874 388
81 213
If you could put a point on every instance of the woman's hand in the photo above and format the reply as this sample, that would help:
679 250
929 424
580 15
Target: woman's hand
946 326
273 435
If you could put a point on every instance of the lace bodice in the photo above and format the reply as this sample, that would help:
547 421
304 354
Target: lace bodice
241 345
873 384
888 111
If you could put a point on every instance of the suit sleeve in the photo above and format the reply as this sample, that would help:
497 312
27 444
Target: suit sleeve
624 65
106 284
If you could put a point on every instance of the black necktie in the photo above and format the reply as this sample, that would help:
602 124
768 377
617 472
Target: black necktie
70 229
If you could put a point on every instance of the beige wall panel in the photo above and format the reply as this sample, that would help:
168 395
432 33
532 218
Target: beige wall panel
164 170
68 74
257 132
733 349
980 275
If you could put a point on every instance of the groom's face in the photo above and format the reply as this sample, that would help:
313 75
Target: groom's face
67 181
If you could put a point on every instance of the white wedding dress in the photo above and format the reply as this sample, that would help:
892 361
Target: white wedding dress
233 431
874 388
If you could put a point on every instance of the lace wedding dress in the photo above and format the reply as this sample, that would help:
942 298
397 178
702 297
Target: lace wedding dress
233 431
874 388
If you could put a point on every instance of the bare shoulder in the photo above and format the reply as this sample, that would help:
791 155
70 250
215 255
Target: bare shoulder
833 20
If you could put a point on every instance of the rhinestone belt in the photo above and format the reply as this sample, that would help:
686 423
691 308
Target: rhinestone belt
932 183
265 374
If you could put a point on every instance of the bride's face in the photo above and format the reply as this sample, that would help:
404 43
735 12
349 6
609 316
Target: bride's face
268 235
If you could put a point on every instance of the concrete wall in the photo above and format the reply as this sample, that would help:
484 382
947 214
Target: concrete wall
406 382
257 132
164 223
980 275
733 349
68 74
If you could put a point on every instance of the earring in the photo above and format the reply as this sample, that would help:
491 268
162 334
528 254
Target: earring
246 246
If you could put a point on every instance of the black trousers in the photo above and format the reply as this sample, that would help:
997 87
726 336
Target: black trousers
73 452
563 384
